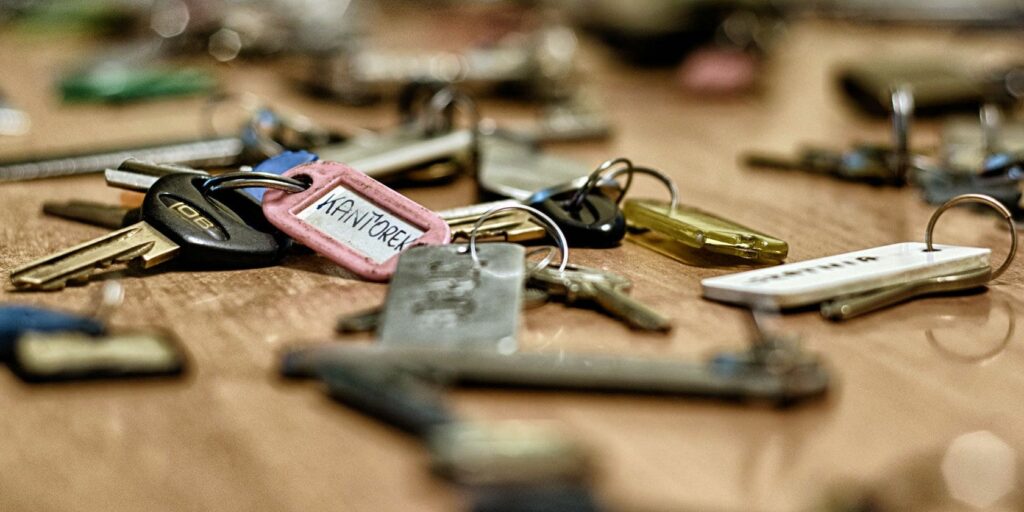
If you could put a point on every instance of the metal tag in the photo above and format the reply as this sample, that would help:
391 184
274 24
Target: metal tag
381 156
814 281
352 219
439 297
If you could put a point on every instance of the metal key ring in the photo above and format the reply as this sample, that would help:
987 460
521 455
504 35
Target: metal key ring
673 190
549 226
986 200
545 261
249 179
577 199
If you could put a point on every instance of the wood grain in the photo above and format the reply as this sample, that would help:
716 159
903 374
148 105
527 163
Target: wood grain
232 436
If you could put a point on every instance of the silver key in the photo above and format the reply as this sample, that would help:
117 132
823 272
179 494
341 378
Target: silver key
515 169
603 289
137 243
771 369
136 175
406 148
197 153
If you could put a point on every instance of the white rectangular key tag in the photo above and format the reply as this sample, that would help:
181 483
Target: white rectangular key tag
441 298
813 281
352 219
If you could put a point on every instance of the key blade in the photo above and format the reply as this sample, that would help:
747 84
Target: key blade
628 309
848 307
139 241
196 153
138 176
89 212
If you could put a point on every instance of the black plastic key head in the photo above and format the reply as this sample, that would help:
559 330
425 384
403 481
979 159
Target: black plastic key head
596 222
225 229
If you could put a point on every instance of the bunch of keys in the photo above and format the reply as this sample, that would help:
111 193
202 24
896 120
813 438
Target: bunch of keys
874 164
675 230
41 344
852 284
182 218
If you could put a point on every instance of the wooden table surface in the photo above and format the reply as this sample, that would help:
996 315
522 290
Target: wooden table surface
233 436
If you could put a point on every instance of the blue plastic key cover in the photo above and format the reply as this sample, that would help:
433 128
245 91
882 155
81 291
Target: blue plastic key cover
278 164
16 319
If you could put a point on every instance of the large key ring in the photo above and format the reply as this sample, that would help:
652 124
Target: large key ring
249 179
549 226
577 199
986 200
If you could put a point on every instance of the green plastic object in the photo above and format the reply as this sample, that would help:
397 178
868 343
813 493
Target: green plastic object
677 233
121 84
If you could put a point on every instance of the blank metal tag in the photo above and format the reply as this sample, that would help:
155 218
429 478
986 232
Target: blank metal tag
814 281
440 297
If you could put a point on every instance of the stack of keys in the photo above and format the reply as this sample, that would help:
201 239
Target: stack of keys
851 284
180 218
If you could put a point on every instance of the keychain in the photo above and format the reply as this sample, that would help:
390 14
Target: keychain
851 284
673 229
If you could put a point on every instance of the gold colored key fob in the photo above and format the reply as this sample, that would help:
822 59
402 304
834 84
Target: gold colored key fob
685 228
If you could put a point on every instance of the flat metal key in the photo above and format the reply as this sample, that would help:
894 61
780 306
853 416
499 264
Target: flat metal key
198 153
505 226
138 175
847 307
606 290
178 219
773 369
110 216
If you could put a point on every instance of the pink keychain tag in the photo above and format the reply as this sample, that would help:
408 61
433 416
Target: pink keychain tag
352 219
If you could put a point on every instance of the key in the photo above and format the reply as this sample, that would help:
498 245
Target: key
194 153
537 65
774 370
603 289
676 234
596 222
93 213
506 226
139 176
177 220
16 320
874 164
516 170
352 219
440 297
844 308
59 356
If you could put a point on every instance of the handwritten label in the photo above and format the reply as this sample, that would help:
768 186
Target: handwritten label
352 220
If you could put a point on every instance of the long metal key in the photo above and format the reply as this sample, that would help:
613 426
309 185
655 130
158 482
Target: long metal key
773 369
578 284
177 218
850 306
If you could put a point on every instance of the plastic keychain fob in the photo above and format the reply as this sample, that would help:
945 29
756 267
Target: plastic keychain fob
223 230
352 219
597 222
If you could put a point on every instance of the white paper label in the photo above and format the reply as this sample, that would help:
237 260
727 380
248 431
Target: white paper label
352 220
814 281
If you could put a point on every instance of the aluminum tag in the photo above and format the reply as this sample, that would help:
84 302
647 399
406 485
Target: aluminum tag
439 297
352 219
814 281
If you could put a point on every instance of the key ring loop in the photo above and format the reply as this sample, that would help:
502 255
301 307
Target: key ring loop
982 199
549 226
577 199
249 179
673 190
